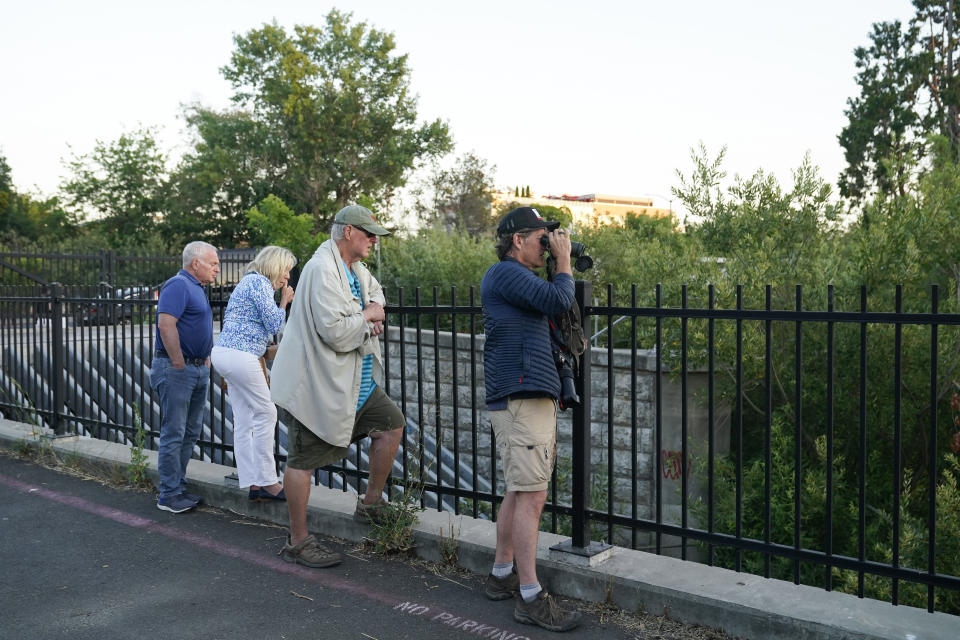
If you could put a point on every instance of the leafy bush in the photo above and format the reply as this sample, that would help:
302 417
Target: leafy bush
434 258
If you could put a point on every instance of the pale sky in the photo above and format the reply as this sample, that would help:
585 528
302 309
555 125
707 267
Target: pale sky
567 97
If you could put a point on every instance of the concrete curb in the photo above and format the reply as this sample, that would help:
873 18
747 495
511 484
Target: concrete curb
740 604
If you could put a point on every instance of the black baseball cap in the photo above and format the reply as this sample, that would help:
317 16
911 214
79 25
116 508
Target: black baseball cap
523 218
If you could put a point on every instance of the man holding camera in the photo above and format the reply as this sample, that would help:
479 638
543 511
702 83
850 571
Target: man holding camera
522 388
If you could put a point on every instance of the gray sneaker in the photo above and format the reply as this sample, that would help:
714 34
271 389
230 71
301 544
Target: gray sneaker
546 612
310 553
376 513
176 504
502 588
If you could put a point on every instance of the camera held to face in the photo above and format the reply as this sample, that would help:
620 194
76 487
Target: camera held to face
582 261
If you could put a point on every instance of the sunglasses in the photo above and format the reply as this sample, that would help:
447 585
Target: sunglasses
368 234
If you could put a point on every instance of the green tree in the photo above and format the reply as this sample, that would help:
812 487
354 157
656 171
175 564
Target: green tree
435 257
335 105
234 164
909 88
120 186
9 222
460 197
563 215
761 234
26 219
764 235
650 226
273 222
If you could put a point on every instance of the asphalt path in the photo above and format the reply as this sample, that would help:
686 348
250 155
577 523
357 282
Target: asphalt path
80 560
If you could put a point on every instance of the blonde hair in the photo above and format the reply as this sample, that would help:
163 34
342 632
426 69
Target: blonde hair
272 262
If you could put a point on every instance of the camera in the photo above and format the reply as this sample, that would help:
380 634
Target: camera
568 390
581 262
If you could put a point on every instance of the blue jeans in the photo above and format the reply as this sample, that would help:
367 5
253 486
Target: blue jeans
183 396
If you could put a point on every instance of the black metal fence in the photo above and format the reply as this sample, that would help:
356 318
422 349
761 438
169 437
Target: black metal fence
106 270
836 471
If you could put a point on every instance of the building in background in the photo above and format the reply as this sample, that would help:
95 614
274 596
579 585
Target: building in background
590 209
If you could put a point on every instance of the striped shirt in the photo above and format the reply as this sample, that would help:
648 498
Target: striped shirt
366 379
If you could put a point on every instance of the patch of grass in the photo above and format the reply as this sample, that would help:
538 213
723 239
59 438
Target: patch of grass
28 414
137 470
394 534
449 545
25 449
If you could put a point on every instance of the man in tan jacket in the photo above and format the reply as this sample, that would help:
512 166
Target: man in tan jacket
325 378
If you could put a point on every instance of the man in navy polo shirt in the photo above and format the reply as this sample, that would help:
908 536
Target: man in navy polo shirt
181 370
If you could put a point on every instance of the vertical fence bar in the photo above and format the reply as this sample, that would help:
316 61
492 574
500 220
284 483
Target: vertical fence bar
684 415
420 425
437 424
57 417
828 542
402 330
932 450
633 416
739 409
455 398
658 433
862 461
385 339
581 443
151 343
474 414
611 467
897 435
797 434
768 426
711 444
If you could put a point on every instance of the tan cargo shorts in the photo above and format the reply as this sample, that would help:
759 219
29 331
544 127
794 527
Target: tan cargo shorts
526 433
307 451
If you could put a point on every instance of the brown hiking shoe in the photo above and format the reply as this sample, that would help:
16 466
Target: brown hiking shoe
546 612
502 588
376 513
310 553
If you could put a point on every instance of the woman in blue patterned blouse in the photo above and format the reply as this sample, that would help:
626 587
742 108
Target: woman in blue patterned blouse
251 318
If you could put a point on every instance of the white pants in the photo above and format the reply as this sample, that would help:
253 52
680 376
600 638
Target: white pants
254 415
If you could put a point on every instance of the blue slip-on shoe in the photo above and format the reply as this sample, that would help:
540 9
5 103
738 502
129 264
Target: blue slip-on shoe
266 496
175 504
192 497
254 495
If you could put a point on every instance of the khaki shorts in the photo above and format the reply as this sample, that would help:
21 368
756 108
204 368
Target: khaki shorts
305 450
526 433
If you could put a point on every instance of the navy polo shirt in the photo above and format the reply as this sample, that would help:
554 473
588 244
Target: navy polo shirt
182 297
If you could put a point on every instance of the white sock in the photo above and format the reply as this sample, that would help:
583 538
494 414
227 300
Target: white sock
529 591
502 569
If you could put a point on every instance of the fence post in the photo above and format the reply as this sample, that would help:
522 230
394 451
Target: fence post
581 433
56 347
580 550
108 267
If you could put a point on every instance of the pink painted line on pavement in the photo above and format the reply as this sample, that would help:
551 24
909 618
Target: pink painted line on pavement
321 576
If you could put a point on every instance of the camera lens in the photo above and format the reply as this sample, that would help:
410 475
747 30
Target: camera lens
576 248
582 261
